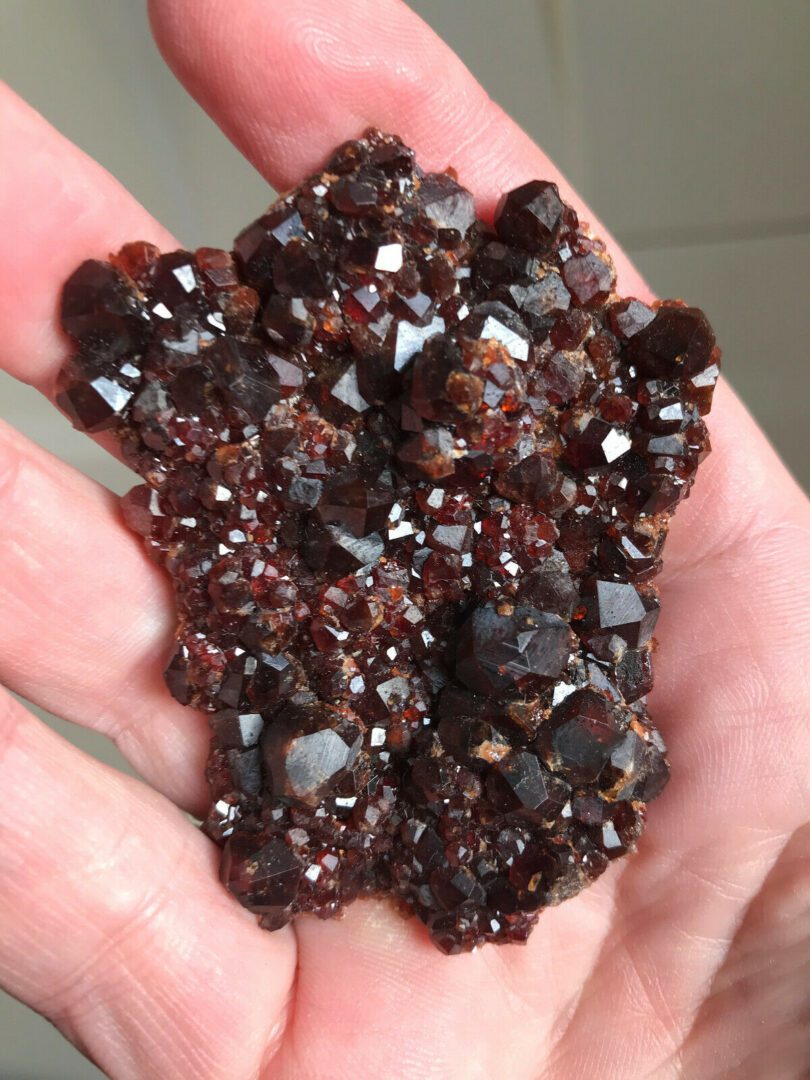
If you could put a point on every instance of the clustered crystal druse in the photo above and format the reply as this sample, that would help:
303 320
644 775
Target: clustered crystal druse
411 479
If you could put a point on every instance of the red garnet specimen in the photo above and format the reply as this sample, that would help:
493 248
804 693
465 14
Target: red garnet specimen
411 481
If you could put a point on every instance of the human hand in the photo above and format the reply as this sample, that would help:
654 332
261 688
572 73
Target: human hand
686 959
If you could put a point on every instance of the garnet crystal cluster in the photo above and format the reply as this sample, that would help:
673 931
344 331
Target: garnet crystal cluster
411 479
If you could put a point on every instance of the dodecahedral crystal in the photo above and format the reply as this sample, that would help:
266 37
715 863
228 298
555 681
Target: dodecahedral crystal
411 480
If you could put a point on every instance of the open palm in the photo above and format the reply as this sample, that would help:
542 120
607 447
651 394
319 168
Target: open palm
690 959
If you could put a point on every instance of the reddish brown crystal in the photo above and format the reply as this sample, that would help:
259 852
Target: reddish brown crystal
411 481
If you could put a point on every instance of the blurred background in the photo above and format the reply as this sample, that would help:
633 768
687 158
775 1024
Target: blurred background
684 126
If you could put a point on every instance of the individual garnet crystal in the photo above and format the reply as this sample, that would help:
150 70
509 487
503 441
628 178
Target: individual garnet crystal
411 480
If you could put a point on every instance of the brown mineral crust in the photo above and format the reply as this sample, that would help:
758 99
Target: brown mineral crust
411 480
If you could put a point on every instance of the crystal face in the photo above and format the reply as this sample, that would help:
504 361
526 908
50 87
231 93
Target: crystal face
411 479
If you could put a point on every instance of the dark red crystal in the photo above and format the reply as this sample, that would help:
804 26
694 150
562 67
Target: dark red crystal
411 482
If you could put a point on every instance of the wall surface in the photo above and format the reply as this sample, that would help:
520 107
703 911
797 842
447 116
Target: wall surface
679 124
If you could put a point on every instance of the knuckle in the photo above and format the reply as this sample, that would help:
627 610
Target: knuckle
11 462
12 716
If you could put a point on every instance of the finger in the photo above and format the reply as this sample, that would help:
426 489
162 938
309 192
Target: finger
113 925
289 81
87 619
742 491
57 208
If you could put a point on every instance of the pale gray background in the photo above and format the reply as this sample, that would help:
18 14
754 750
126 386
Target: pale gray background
684 125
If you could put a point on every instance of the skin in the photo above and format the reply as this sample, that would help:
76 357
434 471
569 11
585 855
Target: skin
689 959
